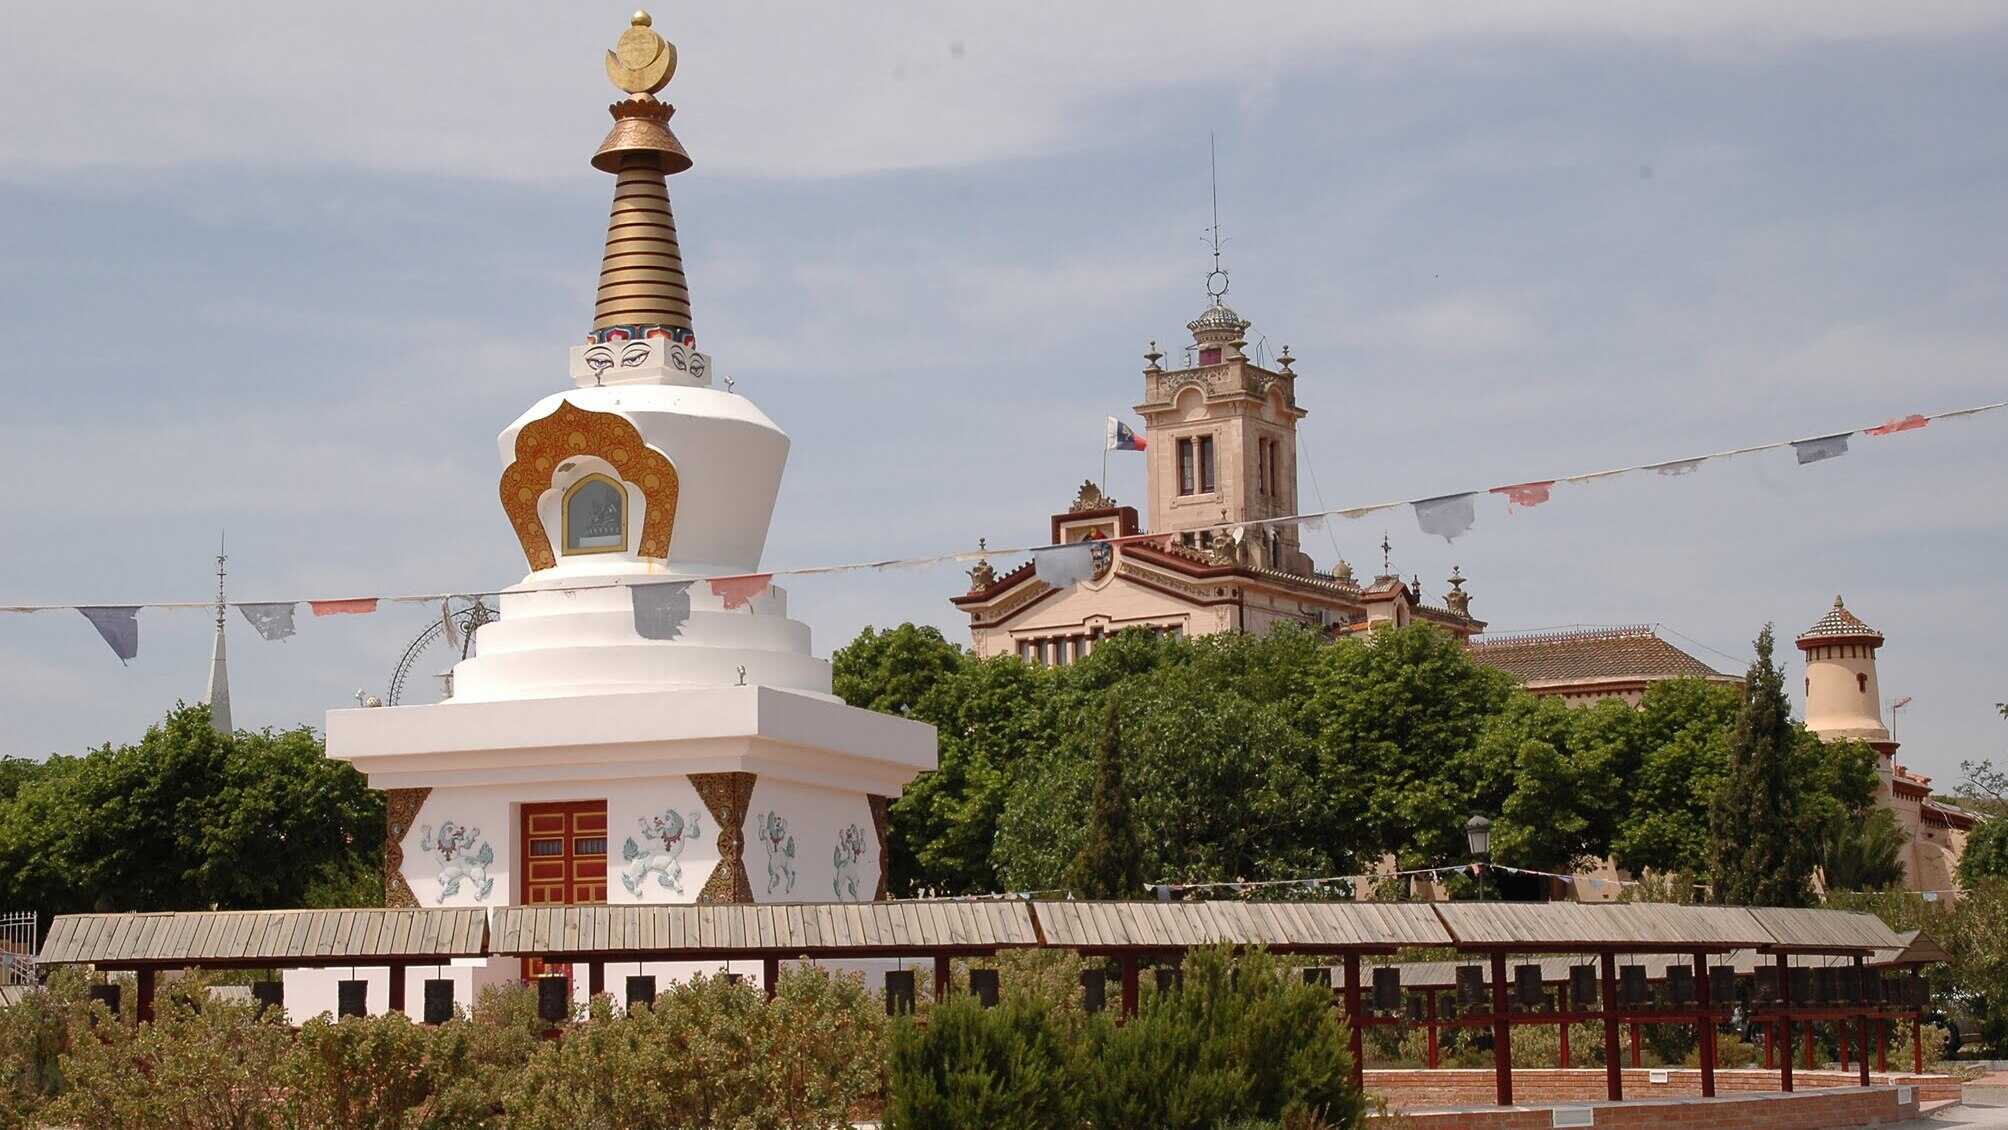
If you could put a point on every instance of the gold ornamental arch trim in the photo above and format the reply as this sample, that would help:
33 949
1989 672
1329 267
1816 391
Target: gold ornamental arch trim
571 431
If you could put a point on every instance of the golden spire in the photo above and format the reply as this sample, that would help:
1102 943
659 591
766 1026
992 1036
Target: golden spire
641 272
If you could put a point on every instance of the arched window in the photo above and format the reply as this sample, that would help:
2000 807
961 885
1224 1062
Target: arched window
595 516
1862 681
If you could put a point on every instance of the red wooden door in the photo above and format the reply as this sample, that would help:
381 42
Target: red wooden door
563 860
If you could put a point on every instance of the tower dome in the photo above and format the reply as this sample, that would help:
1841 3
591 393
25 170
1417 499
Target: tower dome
1217 324
1842 698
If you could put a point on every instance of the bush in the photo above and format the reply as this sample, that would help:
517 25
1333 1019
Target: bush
359 1074
1245 1039
712 1053
34 1034
200 1063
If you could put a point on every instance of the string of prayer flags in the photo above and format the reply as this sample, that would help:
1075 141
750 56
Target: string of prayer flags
359 606
736 591
1825 447
1062 566
661 608
1676 467
119 625
273 621
1449 517
1526 494
1908 423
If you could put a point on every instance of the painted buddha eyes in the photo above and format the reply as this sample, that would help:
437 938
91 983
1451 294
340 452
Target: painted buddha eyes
599 357
636 355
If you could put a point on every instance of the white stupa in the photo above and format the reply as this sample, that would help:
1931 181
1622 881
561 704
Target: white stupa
633 729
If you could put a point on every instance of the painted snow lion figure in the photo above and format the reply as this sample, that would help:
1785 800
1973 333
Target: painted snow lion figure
463 854
780 853
665 836
849 854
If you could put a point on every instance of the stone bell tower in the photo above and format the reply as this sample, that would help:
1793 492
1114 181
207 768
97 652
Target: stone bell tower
1222 439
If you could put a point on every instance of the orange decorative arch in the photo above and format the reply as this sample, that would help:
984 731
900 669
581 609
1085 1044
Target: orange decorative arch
571 431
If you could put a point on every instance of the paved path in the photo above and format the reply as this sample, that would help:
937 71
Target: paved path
1986 1105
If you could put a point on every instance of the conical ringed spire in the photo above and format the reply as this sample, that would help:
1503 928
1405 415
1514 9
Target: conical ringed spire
642 289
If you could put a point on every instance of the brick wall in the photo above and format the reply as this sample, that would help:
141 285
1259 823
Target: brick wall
1804 1110
1407 1089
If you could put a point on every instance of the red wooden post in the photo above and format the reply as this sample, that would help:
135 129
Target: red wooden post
1430 997
1562 1006
1862 1020
770 972
1706 1013
1636 1061
1784 1023
397 988
1882 1044
143 1010
1917 1042
1843 1040
1770 1037
1353 1026
1502 1033
940 977
1809 1046
1129 985
1614 1072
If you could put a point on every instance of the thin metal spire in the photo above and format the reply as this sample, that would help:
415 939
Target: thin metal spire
1213 291
219 672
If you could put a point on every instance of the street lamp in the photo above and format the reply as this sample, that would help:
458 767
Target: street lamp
1478 833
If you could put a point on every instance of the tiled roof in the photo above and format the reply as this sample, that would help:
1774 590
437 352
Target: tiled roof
1590 655
1839 622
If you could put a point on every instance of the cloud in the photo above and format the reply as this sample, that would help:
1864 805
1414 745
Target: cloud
767 89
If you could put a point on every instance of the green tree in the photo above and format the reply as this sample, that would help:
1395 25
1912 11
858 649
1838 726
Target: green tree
1756 847
1110 863
1861 851
1678 744
1395 717
1986 854
188 818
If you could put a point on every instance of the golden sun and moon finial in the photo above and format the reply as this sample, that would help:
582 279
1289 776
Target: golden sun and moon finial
642 61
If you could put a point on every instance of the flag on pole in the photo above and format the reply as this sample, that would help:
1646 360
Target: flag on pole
1123 438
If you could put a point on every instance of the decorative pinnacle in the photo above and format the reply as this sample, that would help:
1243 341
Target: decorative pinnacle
642 61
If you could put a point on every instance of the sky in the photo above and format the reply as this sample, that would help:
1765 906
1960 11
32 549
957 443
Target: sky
289 279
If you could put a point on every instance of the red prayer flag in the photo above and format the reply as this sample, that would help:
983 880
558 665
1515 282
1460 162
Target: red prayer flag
1907 423
1525 494
356 607
736 591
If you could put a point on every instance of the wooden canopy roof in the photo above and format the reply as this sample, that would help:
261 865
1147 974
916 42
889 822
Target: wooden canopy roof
782 929
1296 927
265 937
960 926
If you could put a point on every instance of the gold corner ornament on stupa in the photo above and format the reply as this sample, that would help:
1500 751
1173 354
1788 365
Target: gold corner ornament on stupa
643 61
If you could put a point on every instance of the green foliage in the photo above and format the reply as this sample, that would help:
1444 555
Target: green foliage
34 1034
1679 738
194 1067
1861 852
188 818
1003 1068
1244 1040
1757 850
358 1074
712 1053
1110 863
1986 854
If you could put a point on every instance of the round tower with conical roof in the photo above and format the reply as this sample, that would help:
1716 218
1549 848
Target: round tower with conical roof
1842 698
